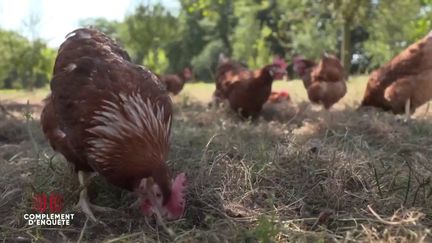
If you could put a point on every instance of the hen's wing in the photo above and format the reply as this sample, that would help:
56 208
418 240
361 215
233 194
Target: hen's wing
58 139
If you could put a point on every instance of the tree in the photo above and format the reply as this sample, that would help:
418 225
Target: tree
188 44
306 29
250 38
148 29
348 15
11 46
25 64
217 16
323 25
389 35
204 64
109 27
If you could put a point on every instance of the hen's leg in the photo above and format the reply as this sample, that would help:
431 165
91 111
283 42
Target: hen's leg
407 110
331 116
84 202
427 109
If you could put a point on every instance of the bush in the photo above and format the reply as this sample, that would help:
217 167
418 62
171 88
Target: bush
205 63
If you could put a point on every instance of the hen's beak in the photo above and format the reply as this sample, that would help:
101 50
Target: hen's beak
159 215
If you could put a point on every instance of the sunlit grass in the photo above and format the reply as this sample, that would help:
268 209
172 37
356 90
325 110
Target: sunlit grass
21 96
202 92
305 177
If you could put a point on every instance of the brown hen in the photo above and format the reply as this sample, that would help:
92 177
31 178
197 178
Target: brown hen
325 82
247 91
226 70
110 116
175 82
405 83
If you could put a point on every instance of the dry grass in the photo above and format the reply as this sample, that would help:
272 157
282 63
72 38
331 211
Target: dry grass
297 174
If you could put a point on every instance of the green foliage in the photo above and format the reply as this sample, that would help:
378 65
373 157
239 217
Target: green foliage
148 34
188 44
156 60
248 37
216 18
111 28
11 45
24 64
364 33
312 38
147 29
261 47
205 63
265 231
389 35
373 30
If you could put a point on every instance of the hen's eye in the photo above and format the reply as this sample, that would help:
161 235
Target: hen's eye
158 195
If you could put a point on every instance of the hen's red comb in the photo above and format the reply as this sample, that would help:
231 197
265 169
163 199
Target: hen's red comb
179 183
176 204
283 93
280 61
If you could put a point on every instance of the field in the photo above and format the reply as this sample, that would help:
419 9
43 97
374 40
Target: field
297 174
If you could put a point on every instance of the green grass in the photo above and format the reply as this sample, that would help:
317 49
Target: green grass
202 92
298 174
